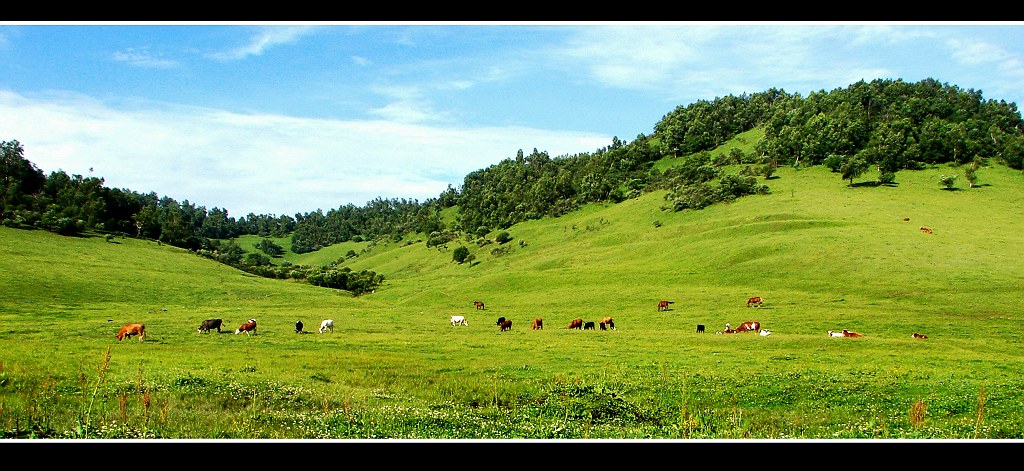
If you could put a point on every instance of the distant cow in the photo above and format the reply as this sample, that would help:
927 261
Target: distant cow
506 325
607 323
459 320
576 324
844 333
128 330
210 324
478 304
663 305
500 320
298 327
327 324
926 230
749 326
765 332
755 301
700 328
916 335
249 328
832 333
538 324
588 325
727 331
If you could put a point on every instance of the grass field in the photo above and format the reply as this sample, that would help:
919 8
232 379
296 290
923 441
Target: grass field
823 255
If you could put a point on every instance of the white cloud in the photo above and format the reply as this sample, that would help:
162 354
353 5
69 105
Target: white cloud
260 163
266 38
142 58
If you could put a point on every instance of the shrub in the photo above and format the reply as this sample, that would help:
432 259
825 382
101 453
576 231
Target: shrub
503 237
460 254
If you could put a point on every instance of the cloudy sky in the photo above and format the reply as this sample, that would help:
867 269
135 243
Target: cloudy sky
285 118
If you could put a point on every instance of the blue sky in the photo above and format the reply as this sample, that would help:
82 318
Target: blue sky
285 118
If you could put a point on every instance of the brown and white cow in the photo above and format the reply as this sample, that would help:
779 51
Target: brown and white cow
210 324
844 333
755 301
916 335
607 323
749 326
576 324
538 324
506 325
128 330
249 328
727 331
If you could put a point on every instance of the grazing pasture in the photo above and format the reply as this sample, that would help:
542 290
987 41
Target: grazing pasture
826 255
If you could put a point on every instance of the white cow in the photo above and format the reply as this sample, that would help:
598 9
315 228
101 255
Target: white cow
327 324
459 320
765 332
832 333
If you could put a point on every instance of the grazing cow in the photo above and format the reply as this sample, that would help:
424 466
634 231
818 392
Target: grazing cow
576 324
298 327
327 324
459 320
700 328
765 332
500 320
607 323
755 301
916 335
506 325
209 324
128 330
588 325
478 304
249 328
538 324
749 326
663 305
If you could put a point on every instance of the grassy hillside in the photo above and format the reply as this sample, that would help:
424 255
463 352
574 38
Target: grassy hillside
825 256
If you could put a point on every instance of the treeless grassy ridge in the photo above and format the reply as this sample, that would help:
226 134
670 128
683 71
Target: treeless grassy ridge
823 255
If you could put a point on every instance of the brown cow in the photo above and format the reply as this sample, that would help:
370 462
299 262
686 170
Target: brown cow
916 335
749 326
576 324
506 325
755 301
607 323
128 330
847 333
538 324
663 305
478 304
249 328
926 230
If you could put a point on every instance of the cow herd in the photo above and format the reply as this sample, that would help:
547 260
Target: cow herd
248 328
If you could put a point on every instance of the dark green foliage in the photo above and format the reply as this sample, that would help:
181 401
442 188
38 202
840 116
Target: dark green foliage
270 248
502 237
460 254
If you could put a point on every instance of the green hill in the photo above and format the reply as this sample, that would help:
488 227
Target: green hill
823 255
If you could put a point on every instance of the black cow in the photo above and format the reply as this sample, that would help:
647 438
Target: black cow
700 328
298 327
209 324
588 325
500 320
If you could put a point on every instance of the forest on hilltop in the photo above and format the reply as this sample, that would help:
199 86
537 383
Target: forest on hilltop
886 125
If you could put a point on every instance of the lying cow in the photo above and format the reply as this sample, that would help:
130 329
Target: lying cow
459 320
916 335
844 333
210 324
128 330
749 326
249 328
506 325
538 324
327 324
607 323
727 331
765 332
576 324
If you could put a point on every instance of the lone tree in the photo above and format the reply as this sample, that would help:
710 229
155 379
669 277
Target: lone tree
852 168
460 254
947 181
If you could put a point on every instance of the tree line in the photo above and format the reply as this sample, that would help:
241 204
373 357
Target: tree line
888 125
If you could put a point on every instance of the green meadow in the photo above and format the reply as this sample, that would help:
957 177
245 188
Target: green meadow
823 255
